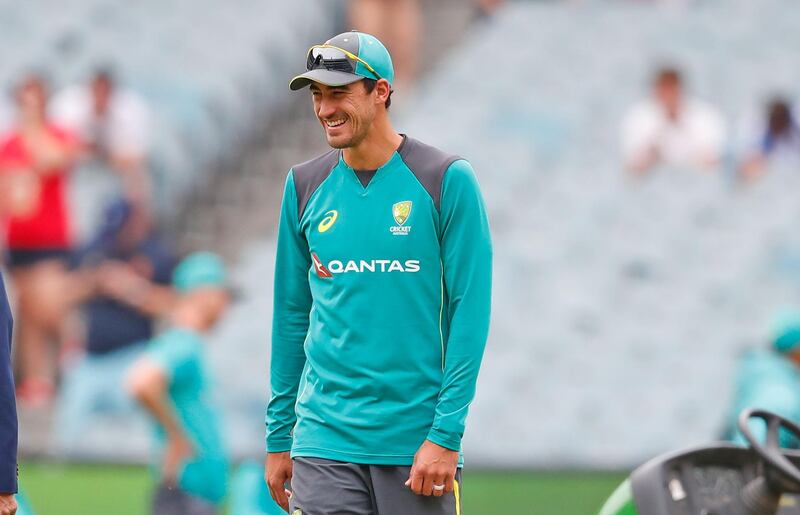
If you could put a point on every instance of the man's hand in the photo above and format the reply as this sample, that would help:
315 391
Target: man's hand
646 160
178 450
120 281
8 505
277 471
433 465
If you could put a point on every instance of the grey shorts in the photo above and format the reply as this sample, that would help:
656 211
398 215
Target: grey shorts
169 500
327 487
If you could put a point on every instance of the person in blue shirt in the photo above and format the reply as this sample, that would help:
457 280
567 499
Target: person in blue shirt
8 412
122 286
774 141
171 381
114 318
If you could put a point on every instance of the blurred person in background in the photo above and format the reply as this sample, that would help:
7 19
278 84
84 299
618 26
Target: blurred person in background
35 160
486 8
6 116
775 140
171 382
769 378
672 129
378 332
8 412
114 126
122 285
249 493
398 23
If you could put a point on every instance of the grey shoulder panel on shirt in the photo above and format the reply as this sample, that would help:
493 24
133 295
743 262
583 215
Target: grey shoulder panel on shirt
428 164
309 175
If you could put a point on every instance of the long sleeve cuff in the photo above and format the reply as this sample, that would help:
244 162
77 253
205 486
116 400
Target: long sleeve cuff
279 444
8 478
446 440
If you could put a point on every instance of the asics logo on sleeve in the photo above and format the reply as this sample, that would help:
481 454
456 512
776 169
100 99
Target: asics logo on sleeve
328 221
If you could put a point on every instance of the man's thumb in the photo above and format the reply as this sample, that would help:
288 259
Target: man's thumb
410 476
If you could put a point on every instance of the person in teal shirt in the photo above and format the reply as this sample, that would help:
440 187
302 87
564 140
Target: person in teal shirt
248 492
381 304
769 379
24 505
172 383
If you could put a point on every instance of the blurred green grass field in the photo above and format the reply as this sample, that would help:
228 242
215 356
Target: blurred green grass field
118 490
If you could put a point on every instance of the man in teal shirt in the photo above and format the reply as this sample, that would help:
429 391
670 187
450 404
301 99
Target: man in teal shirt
769 378
171 382
382 300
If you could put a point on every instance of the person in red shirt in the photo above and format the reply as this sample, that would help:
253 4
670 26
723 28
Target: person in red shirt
35 159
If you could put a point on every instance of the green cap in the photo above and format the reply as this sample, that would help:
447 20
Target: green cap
786 330
200 269
331 65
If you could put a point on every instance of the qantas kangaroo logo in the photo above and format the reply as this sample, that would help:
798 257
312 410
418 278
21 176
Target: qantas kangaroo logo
319 267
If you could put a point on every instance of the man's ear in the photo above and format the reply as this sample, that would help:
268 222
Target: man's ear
383 89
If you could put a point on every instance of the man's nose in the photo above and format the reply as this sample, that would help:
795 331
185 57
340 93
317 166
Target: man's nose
326 108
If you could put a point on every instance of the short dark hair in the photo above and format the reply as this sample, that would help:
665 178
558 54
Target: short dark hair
36 78
779 118
369 85
104 73
668 75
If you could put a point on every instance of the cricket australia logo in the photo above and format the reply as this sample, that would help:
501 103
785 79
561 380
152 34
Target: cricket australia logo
400 212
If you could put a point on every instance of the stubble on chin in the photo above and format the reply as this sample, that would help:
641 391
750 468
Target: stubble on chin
359 134
339 145
350 142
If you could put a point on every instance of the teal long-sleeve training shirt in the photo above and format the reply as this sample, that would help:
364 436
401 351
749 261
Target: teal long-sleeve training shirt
381 307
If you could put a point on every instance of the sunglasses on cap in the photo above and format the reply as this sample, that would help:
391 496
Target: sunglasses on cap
336 59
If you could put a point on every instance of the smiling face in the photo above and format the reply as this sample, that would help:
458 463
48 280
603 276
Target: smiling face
346 112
